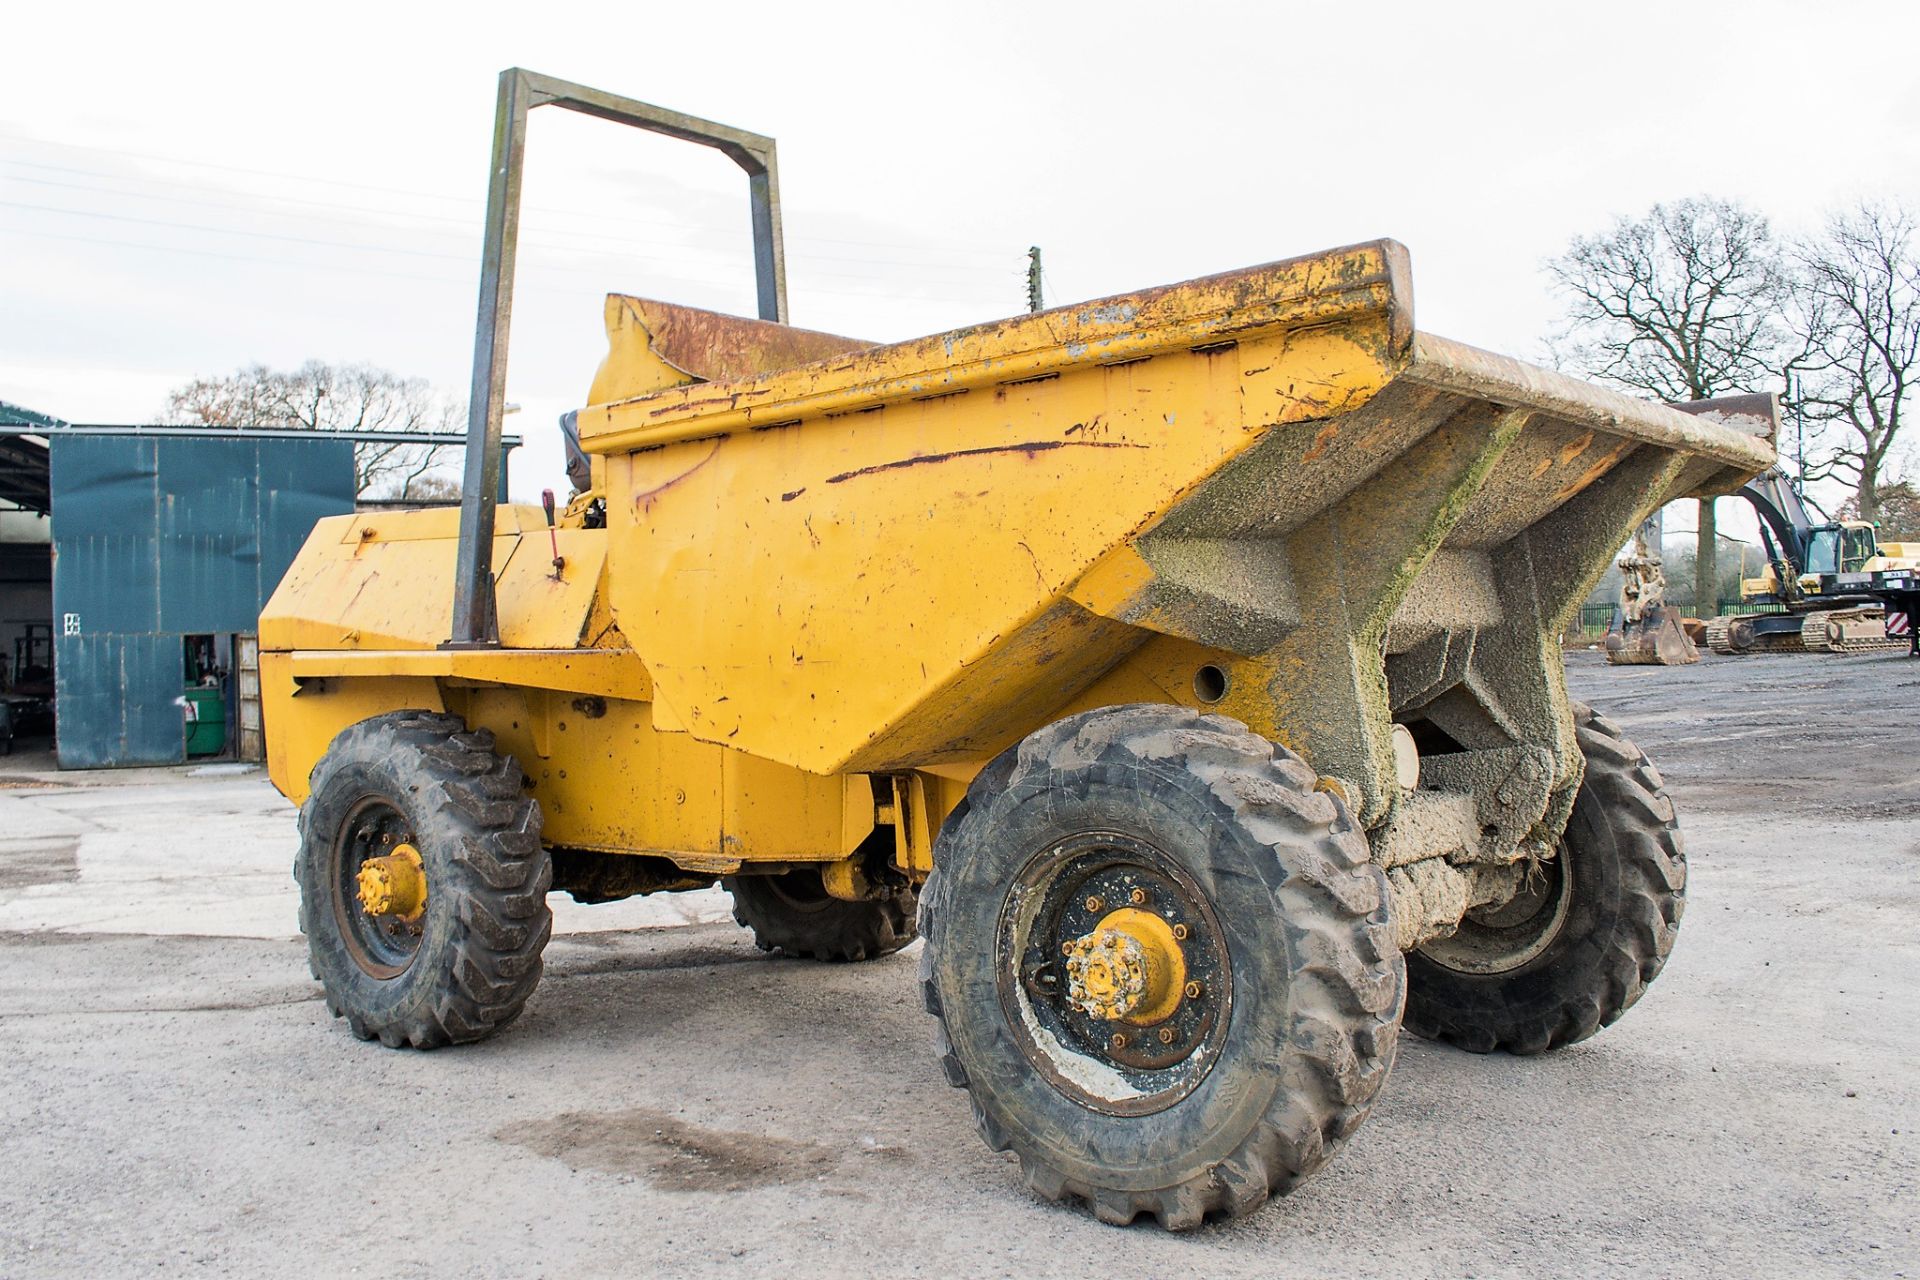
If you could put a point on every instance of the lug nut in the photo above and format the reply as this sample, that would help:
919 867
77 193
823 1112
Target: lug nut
1095 902
1194 990
1166 1035
1138 897
1119 1040
1180 933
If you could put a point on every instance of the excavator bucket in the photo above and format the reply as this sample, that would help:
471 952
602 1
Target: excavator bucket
1658 639
1650 632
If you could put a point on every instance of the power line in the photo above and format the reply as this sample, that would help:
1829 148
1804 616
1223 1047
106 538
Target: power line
472 224
304 179
1052 292
230 257
470 202
572 243
380 248
230 231
533 268
214 204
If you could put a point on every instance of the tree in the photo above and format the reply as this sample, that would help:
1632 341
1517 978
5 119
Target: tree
1858 282
435 488
1680 304
327 397
1899 511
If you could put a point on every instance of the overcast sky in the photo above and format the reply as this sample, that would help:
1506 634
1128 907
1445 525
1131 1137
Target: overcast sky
189 188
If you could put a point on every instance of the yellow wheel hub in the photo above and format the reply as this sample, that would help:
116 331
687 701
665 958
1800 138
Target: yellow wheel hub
1129 969
394 884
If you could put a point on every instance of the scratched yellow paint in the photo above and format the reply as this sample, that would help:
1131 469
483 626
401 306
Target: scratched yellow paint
829 591
371 581
778 579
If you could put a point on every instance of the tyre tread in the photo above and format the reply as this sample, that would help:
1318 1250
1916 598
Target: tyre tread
841 933
1625 783
500 874
1322 879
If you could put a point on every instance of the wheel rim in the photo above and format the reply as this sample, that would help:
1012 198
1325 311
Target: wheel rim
381 912
1114 973
1503 938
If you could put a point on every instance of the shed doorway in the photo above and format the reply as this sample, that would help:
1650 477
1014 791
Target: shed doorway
208 663
222 697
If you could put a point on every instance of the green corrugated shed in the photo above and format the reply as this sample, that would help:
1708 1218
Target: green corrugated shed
18 414
161 538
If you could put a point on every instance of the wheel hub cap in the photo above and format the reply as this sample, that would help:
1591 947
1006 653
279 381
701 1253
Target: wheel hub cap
1114 973
393 884
1129 968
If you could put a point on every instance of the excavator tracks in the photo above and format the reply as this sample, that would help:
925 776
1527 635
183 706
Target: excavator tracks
1861 630
1731 635
1720 636
1856 630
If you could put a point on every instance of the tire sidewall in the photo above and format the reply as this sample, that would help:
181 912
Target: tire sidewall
823 927
362 765
1627 893
1176 812
1576 958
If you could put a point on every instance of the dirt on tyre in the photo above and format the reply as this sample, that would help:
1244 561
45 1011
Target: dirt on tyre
796 916
1583 939
423 883
1161 964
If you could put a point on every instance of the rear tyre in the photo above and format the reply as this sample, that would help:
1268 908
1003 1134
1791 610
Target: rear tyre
462 963
1103 853
1576 948
796 916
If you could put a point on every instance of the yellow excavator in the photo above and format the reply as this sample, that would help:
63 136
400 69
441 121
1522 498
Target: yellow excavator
1827 585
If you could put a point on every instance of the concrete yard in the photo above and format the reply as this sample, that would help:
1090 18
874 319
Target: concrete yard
675 1103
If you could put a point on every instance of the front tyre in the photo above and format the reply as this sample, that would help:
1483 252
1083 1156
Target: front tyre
423 884
1161 964
1580 942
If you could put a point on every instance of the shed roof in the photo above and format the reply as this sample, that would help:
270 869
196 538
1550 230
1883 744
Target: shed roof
23 458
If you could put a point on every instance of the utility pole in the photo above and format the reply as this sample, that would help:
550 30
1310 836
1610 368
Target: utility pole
1034 300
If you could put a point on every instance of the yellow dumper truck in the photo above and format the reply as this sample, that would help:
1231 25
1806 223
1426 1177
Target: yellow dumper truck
1183 667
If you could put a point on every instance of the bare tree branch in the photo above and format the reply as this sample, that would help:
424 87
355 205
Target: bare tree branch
1680 304
1858 285
325 397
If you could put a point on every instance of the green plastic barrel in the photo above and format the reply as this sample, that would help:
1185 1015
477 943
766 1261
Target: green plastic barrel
206 722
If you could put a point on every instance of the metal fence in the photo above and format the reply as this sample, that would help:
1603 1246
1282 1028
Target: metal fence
1596 618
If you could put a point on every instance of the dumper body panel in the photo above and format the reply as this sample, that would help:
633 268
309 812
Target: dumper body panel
576 711
827 593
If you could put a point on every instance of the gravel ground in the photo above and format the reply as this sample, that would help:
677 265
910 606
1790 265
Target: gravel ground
674 1103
